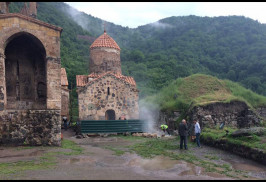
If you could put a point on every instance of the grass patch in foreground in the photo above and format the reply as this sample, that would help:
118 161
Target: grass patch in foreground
20 166
153 147
117 151
68 144
46 161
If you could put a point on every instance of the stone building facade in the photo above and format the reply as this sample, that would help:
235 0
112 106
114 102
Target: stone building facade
64 94
30 78
106 94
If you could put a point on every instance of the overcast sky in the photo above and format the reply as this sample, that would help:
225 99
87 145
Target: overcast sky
134 14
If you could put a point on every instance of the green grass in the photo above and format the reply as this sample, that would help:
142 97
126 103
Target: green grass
168 147
242 93
24 147
253 142
216 133
46 161
201 89
211 157
118 152
154 147
67 144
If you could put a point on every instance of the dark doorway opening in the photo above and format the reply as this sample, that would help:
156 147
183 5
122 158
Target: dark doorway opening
25 72
110 115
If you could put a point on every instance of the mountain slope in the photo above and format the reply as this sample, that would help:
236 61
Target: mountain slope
229 47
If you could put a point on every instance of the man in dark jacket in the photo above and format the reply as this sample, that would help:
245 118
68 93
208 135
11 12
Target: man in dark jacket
183 132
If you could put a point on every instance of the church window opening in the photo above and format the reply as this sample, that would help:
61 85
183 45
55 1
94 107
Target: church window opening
108 91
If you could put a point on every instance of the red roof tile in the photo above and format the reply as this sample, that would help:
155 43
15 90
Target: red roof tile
104 41
83 80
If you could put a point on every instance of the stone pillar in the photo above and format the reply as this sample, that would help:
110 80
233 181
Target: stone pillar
4 7
2 82
33 9
53 83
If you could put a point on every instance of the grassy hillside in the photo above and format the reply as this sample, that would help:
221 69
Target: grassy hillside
200 89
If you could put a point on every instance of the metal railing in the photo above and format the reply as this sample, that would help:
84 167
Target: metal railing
111 126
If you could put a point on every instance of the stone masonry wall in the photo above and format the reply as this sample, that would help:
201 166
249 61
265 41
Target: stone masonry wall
234 114
33 127
94 100
104 59
262 111
65 102
12 25
30 127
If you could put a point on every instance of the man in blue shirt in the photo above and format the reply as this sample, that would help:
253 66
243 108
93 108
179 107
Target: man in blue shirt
197 132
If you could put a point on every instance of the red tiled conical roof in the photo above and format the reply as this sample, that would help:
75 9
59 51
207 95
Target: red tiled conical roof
104 41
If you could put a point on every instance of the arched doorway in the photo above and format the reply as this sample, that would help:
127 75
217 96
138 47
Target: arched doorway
110 115
25 72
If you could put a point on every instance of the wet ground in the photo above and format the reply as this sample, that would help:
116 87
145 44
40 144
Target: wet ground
98 162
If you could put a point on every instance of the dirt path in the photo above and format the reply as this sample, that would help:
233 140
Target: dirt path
98 162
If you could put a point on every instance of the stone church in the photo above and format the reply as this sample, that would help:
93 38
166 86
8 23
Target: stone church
30 78
106 94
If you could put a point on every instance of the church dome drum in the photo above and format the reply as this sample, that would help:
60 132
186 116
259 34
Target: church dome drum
105 55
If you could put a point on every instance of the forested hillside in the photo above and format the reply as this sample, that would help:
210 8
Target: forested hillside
232 47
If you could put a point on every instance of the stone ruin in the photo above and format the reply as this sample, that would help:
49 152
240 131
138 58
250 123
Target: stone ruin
30 78
235 114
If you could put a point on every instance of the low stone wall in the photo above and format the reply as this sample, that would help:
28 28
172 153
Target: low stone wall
262 112
169 119
30 127
235 114
241 150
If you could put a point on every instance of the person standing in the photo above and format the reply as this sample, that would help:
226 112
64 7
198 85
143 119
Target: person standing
183 132
65 122
197 132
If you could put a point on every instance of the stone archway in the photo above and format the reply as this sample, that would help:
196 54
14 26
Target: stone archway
25 72
110 114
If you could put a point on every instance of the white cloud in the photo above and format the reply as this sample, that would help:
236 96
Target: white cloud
133 14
